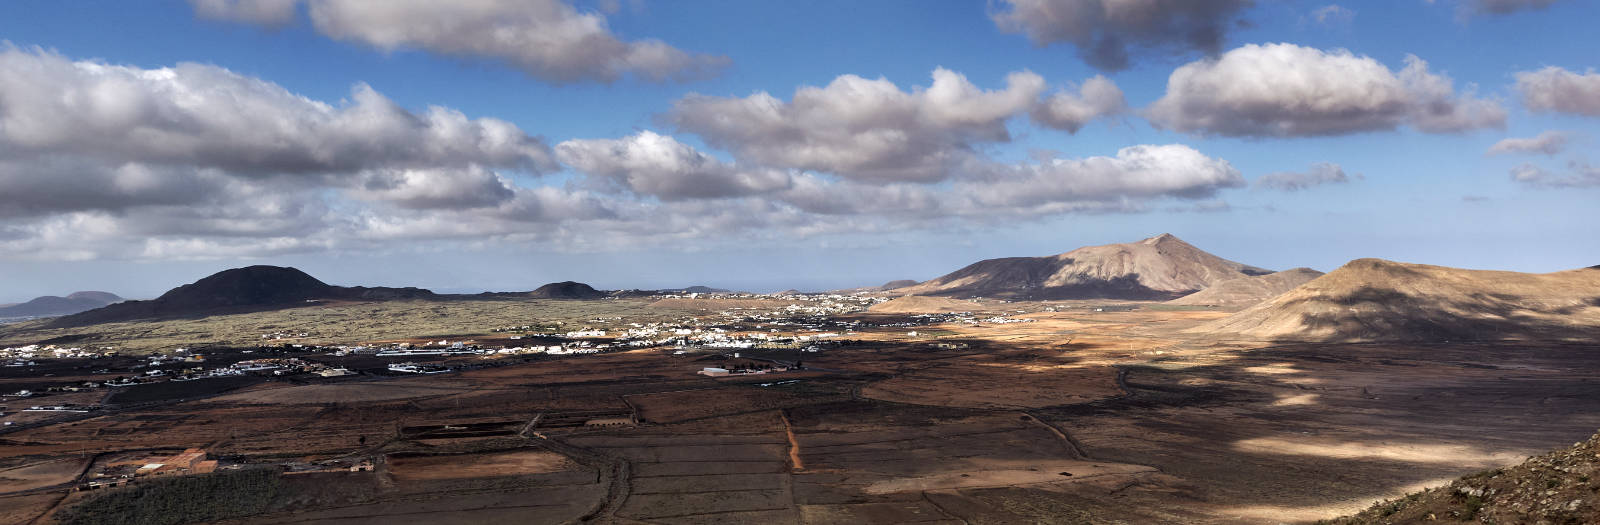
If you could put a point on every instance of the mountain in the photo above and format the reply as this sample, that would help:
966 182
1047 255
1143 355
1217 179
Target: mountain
51 305
1159 268
1378 300
1558 487
566 290
895 285
252 288
1246 291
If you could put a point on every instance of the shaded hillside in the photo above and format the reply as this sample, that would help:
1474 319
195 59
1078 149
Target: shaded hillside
51 305
1159 268
252 288
1559 487
1246 291
566 290
1377 300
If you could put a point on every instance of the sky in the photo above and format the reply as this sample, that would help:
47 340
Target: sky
502 144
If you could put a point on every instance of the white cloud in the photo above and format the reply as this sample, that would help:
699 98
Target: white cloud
863 129
1579 175
1557 90
206 116
1333 14
647 163
1098 97
195 161
548 39
1319 174
1106 32
429 188
1547 143
269 13
1285 90
1135 173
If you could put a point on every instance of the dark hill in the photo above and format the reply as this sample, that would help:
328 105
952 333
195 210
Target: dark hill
51 305
252 288
566 290
704 289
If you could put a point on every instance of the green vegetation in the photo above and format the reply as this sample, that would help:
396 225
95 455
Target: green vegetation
342 323
201 498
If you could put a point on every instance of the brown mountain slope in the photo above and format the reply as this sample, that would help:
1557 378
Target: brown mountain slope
917 304
1378 300
1559 487
1246 291
1161 267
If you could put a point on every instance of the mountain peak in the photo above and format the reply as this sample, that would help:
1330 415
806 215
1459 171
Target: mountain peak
1164 238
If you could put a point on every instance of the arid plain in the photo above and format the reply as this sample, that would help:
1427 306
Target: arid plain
1018 390
1095 412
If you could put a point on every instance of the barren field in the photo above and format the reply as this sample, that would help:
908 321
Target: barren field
1078 416
460 466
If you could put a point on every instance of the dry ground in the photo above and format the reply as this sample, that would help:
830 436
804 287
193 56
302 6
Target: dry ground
1079 417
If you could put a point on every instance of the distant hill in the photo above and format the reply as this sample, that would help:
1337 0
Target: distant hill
252 288
892 285
703 289
1249 290
1158 268
50 305
1378 300
885 287
566 290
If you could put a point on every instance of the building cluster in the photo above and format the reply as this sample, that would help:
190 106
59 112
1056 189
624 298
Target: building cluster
16 356
117 473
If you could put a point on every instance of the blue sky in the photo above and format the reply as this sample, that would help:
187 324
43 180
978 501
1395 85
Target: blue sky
1431 196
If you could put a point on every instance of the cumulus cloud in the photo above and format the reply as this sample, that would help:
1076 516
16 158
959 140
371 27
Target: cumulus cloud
1107 32
434 188
1285 90
185 155
1098 97
548 39
1319 174
1547 143
1134 173
194 161
261 12
1557 90
648 163
201 115
1578 175
862 129
1024 190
